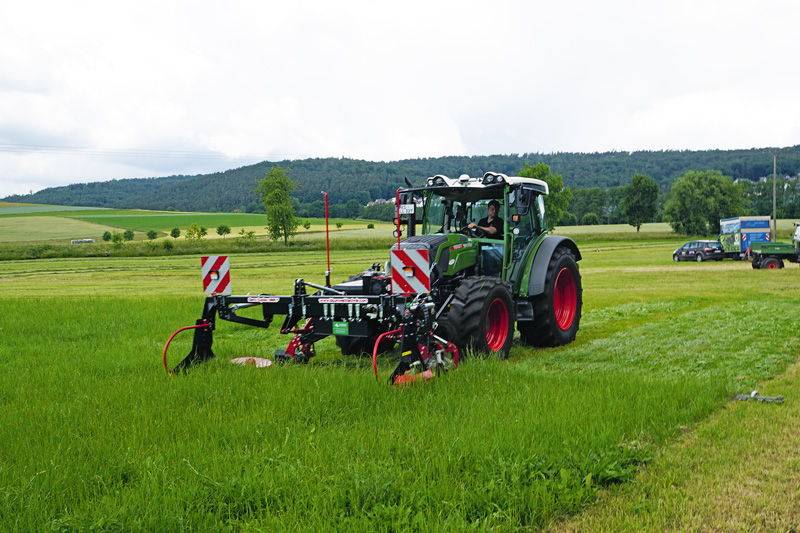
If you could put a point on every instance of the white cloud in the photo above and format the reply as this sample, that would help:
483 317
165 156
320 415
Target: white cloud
383 81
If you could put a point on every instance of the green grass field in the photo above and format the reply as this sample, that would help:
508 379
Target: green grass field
94 435
59 224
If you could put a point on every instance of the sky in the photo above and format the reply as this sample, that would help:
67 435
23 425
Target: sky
98 90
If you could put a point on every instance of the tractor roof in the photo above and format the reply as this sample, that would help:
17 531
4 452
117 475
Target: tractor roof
491 185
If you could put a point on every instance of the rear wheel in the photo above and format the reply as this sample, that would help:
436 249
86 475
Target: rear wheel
481 316
772 263
557 311
699 257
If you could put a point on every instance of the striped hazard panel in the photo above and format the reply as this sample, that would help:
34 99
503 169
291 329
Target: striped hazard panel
216 274
410 272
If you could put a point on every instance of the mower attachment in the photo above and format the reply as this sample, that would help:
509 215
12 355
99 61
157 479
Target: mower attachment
201 346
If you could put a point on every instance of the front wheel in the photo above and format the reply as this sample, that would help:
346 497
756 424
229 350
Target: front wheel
699 258
557 311
772 263
481 316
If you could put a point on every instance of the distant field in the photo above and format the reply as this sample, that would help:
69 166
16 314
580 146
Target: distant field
144 221
656 227
32 223
7 208
27 229
33 228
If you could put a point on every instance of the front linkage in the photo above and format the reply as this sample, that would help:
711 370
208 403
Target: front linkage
407 318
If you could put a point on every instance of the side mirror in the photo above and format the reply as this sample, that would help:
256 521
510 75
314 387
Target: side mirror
522 201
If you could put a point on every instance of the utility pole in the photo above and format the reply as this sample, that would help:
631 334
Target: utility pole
774 193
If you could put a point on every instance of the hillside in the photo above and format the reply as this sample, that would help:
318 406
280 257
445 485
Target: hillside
346 179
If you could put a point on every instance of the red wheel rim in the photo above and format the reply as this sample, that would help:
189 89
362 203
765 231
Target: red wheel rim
565 299
496 325
772 265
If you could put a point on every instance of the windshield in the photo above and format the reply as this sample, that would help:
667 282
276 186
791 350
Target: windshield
443 215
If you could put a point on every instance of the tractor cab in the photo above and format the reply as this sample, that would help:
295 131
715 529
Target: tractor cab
459 211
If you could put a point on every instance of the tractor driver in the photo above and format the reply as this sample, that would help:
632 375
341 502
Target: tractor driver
492 225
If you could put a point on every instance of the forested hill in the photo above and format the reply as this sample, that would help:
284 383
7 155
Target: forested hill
348 179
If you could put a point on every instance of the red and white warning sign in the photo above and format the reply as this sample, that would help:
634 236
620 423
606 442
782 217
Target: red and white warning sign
410 271
216 277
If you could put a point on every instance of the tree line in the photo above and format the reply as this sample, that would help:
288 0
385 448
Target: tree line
694 205
351 184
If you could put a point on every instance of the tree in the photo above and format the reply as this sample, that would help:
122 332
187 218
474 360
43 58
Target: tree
152 234
195 233
352 209
590 219
640 203
275 191
128 235
557 201
175 233
699 200
568 219
223 229
106 236
591 200
245 238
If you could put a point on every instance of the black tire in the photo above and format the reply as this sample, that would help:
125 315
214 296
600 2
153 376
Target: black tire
675 257
481 317
771 263
699 257
556 312
363 345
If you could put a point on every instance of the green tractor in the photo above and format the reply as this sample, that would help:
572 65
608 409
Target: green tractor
483 284
472 261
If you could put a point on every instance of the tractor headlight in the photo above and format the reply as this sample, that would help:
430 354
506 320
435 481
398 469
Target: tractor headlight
439 181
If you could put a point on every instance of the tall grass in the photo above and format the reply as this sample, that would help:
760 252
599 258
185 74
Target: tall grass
94 435
11 252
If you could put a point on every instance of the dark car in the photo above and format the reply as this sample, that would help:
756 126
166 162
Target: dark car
699 251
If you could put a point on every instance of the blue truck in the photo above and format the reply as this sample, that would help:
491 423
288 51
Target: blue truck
738 234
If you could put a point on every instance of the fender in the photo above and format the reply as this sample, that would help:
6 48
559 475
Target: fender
538 270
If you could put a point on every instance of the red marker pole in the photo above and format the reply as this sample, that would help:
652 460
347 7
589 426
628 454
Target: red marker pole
327 243
397 216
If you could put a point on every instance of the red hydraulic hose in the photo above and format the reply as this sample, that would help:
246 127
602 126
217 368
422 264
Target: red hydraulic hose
375 349
172 337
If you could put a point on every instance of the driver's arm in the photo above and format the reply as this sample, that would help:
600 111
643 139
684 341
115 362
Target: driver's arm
488 228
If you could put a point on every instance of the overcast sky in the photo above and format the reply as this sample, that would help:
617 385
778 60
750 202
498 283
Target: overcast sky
98 90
